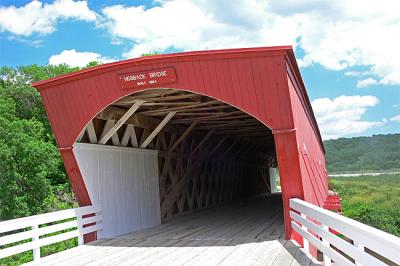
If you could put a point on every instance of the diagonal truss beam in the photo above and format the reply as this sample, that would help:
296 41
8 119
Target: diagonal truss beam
157 130
120 122
183 136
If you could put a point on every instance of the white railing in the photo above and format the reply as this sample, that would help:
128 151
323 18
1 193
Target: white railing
36 229
313 224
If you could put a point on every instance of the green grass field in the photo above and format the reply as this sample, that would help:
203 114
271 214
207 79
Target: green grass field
373 200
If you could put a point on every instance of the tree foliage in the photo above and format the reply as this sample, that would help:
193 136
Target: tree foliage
32 175
376 153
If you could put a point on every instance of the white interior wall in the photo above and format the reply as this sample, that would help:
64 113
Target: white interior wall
125 182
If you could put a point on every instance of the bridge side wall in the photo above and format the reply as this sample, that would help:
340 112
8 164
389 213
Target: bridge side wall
310 152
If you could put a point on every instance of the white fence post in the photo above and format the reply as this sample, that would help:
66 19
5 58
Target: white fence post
80 229
35 240
305 241
359 246
327 260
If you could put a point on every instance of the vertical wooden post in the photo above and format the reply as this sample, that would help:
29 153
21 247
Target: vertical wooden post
290 175
306 245
35 240
327 260
80 230
359 246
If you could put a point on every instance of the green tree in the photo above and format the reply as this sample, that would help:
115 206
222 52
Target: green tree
26 162
32 175
375 153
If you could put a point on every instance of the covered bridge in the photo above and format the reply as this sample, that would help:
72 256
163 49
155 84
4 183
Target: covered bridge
160 136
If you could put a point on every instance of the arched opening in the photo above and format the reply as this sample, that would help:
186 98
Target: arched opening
166 153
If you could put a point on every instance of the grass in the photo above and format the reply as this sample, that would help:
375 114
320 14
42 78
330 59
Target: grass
373 200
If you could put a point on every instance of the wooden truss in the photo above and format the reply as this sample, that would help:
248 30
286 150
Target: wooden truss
209 151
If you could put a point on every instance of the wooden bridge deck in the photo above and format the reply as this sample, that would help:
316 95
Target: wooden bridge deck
249 233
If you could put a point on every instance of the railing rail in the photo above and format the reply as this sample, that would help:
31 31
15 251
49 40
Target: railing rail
36 229
314 223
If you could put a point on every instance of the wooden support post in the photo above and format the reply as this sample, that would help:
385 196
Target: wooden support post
91 132
80 230
206 137
184 135
134 140
239 151
79 139
109 124
306 244
126 136
229 148
327 260
121 121
157 130
217 146
35 239
359 246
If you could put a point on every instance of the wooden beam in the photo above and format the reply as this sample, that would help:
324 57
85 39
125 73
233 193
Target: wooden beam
184 135
121 121
79 139
231 125
211 118
127 135
238 151
152 112
91 132
114 138
203 140
168 103
174 97
144 96
137 120
157 130
229 148
218 145
134 140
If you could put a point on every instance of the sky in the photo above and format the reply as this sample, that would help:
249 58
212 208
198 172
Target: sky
348 51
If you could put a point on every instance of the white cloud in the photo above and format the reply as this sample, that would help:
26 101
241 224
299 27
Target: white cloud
366 82
33 43
395 118
342 116
36 17
77 59
195 25
335 34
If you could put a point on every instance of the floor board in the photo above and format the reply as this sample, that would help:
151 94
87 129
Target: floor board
245 233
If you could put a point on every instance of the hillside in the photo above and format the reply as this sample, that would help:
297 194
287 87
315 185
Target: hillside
376 153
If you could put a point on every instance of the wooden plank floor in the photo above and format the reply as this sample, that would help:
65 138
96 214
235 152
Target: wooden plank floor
246 233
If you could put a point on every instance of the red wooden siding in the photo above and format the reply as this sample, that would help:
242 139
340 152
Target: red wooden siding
255 80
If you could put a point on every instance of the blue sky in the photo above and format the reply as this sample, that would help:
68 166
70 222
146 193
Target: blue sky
348 51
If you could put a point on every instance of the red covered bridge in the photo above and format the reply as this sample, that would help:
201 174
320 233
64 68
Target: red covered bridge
184 149
250 104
